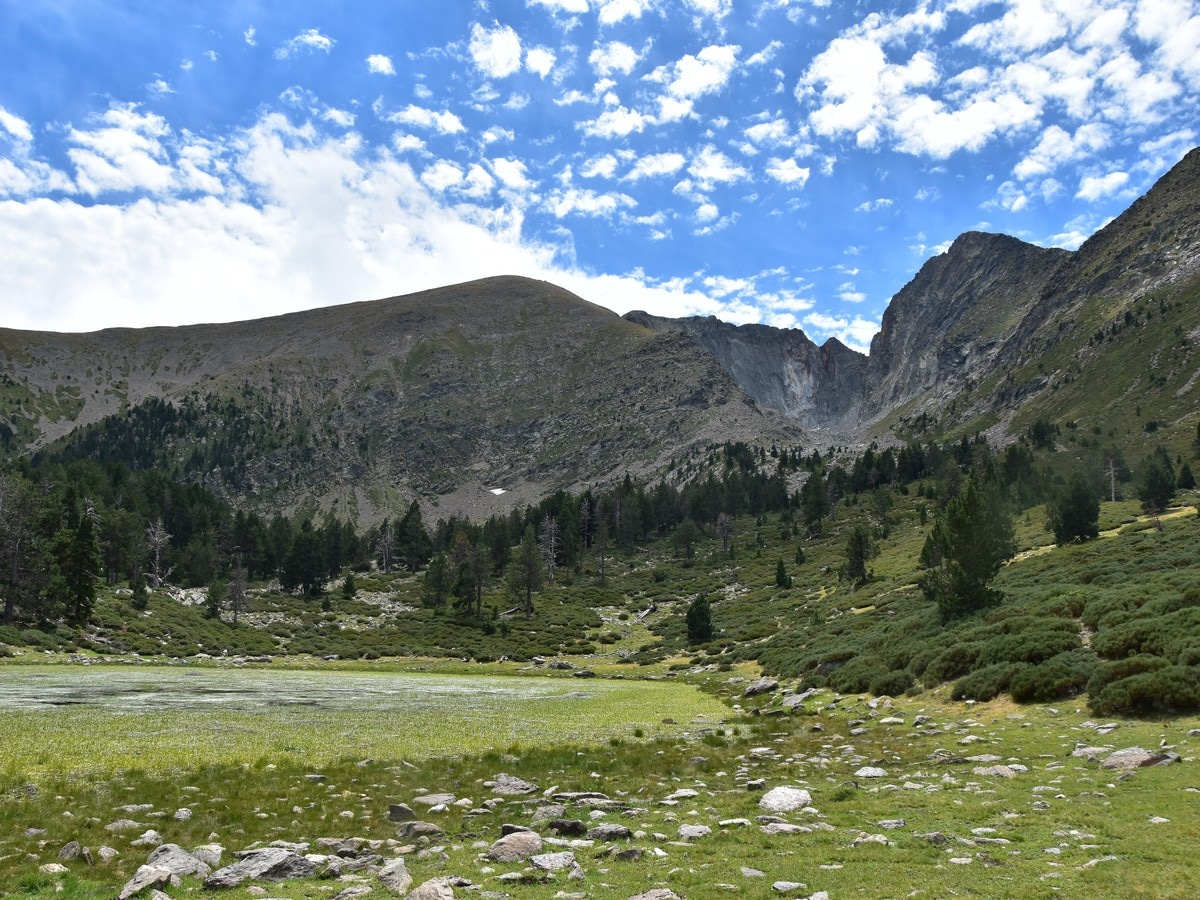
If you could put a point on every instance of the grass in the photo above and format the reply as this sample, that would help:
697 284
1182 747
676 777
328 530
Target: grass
99 720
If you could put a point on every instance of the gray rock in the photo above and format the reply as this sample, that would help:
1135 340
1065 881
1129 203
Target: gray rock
394 876
407 831
149 838
401 812
788 887
437 889
784 828
610 831
178 861
107 854
53 869
1134 758
748 872
892 823
548 813
785 799
355 890
553 862
434 799
123 825
761 686
268 864
864 838
510 786
144 879
693 832
567 827
209 854
515 847
656 894
994 771
871 772
69 851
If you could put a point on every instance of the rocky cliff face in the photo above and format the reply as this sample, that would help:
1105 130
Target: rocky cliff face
780 369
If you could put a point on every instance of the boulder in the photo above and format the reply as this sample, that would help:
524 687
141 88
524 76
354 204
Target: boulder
871 772
761 686
268 864
1135 758
515 847
656 894
609 831
437 889
434 799
693 832
178 861
510 786
394 876
401 812
785 799
144 879
70 851
553 862
567 827
410 830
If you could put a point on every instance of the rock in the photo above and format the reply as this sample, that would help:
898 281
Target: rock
629 854
871 772
748 872
791 701
69 851
355 890
553 862
610 831
734 823
268 864
784 828
1082 751
407 831
785 799
583 673
394 876
761 686
209 854
994 771
693 832
182 815
149 838
1134 758
178 861
510 786
892 823
401 812
864 838
436 889
434 799
54 869
567 827
892 720
145 878
548 813
515 847
107 854
123 825
656 894
788 887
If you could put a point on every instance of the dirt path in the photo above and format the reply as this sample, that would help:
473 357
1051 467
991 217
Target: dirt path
1177 513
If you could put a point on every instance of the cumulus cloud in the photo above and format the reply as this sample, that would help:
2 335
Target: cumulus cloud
788 172
540 61
614 11
379 64
1093 187
874 205
656 165
444 122
1057 146
573 201
496 51
306 41
613 57
710 167
616 122
855 333
692 77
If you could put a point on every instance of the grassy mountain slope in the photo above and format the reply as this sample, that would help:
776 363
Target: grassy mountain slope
502 383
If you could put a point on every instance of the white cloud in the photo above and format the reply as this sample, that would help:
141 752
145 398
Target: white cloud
15 126
496 134
614 11
855 333
444 122
125 153
616 122
497 51
710 167
848 293
248 36
1057 146
540 61
187 65
874 205
441 176
765 55
339 117
378 64
716 9
614 56
310 39
159 86
656 165
772 132
478 183
574 7
574 201
1093 187
512 173
788 172
600 167
693 77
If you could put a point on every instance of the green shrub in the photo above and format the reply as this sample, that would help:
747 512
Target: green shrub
856 676
988 682
1173 689
953 662
1066 675
1107 673
1027 647
893 684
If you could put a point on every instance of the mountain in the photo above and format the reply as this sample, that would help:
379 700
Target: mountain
514 384
995 333
445 395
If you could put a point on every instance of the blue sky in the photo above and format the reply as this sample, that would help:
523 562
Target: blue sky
792 162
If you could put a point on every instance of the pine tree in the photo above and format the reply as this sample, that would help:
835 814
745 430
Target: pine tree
699 620
1156 483
525 575
858 552
1074 513
782 578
